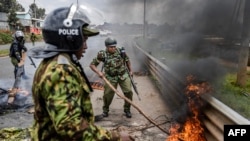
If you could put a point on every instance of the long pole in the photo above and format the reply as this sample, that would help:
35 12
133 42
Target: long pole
136 107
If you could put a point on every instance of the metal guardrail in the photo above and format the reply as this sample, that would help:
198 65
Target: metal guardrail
216 114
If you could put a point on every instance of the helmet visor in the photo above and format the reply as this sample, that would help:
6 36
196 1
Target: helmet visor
19 38
95 16
87 14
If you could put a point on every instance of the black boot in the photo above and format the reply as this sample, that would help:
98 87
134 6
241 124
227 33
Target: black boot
105 114
128 114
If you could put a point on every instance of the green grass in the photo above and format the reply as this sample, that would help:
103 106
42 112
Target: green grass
234 96
5 37
4 52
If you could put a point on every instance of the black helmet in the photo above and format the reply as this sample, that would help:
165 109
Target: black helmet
63 29
110 42
19 36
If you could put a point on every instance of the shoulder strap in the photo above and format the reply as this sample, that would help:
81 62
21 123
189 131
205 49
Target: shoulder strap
105 60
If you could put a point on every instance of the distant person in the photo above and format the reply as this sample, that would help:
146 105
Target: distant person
115 63
61 90
33 38
17 55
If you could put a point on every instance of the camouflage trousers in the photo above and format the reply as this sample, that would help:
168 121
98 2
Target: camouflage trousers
109 94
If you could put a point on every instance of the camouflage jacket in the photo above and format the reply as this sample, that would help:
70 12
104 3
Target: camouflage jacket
63 109
114 64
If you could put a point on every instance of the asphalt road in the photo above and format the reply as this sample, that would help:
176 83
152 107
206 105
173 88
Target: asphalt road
151 104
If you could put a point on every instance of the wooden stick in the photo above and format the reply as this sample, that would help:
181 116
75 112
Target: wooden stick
136 107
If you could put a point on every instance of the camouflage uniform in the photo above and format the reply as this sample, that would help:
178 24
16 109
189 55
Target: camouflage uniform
115 72
33 38
63 110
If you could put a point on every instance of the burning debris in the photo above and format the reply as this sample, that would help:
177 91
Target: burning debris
192 129
98 85
10 100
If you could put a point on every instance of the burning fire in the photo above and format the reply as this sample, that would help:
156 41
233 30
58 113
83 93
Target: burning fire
97 85
192 129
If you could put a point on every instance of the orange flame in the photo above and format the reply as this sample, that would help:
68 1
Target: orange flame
192 129
97 85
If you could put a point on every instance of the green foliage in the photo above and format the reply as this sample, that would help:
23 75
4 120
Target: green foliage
235 97
5 37
12 19
20 7
8 5
38 13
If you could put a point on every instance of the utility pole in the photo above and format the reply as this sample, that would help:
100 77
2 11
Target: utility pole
144 20
244 48
35 8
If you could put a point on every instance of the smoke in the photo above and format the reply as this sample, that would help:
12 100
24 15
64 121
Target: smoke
186 13
196 32
120 11
205 69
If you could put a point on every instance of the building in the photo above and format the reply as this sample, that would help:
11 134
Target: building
3 21
30 24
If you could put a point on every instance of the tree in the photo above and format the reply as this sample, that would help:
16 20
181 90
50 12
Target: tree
19 7
244 49
8 5
38 13
12 19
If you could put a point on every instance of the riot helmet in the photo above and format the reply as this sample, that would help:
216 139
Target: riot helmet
64 29
19 36
110 42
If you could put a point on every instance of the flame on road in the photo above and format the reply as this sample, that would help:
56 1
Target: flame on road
192 129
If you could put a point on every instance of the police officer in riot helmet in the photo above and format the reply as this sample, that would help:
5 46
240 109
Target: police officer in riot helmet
17 55
61 90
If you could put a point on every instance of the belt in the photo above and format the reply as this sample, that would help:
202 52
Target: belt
116 73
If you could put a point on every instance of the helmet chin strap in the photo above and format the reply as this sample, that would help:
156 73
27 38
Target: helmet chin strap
75 60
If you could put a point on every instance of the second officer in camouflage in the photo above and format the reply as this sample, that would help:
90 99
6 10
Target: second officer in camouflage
115 63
